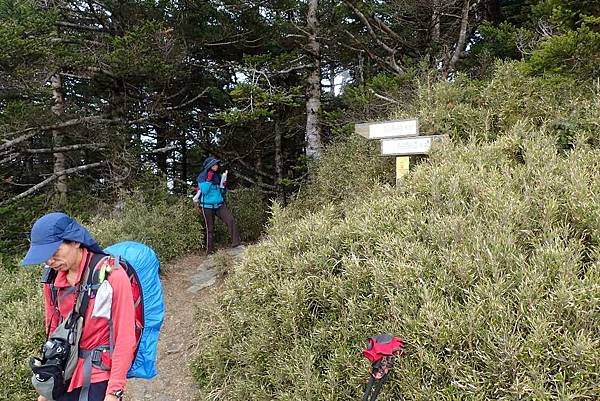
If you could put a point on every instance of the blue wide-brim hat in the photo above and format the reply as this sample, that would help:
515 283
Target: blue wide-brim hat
209 162
49 231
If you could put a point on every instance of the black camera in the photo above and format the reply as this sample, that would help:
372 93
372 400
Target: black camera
56 352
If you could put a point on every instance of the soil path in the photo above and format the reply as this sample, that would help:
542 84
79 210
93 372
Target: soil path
187 284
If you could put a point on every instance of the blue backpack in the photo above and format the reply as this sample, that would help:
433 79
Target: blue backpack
142 266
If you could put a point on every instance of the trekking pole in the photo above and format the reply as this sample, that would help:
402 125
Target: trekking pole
381 351
368 389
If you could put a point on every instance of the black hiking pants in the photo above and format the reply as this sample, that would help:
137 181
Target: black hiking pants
227 218
96 393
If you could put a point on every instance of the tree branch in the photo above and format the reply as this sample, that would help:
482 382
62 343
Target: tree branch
70 25
387 99
182 105
391 65
161 150
32 131
258 184
69 148
51 178
298 67
9 158
462 38
7 144
392 52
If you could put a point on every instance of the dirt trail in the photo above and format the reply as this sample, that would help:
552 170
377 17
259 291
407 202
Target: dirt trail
188 283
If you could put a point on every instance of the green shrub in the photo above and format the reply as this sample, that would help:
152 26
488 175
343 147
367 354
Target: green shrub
17 219
348 168
250 211
485 259
484 110
575 53
22 334
171 227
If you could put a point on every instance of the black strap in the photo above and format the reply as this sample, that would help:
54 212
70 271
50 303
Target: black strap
379 387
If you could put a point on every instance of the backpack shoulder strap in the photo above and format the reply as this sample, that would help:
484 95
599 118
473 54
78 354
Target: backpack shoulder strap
91 283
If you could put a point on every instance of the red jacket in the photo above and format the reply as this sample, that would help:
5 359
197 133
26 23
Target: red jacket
96 330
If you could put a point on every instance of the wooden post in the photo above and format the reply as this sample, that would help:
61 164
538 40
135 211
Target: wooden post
402 167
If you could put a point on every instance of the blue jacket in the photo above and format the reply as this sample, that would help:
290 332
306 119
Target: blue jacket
211 194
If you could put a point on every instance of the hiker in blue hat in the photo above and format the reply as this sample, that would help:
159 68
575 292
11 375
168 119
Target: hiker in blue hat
211 203
50 232
95 365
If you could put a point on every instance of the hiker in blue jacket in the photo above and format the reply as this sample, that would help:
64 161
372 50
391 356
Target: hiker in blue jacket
211 188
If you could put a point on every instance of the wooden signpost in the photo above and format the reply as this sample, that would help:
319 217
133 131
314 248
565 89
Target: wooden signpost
399 138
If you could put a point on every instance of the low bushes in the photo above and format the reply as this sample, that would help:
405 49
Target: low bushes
170 226
484 110
21 316
249 208
485 259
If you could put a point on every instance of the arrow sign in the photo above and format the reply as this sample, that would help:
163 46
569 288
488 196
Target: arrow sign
388 129
420 145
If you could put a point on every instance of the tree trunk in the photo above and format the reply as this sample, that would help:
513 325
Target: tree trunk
161 142
435 22
460 43
278 161
183 171
60 186
313 92
119 171
361 68
258 167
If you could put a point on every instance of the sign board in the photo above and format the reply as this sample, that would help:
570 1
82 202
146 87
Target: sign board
420 145
388 129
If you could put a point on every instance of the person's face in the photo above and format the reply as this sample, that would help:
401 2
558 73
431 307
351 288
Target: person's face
215 168
66 257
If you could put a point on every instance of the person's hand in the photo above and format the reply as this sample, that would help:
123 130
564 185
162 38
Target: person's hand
42 398
209 175
110 397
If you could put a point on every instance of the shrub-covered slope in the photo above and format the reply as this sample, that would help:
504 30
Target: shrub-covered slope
485 259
